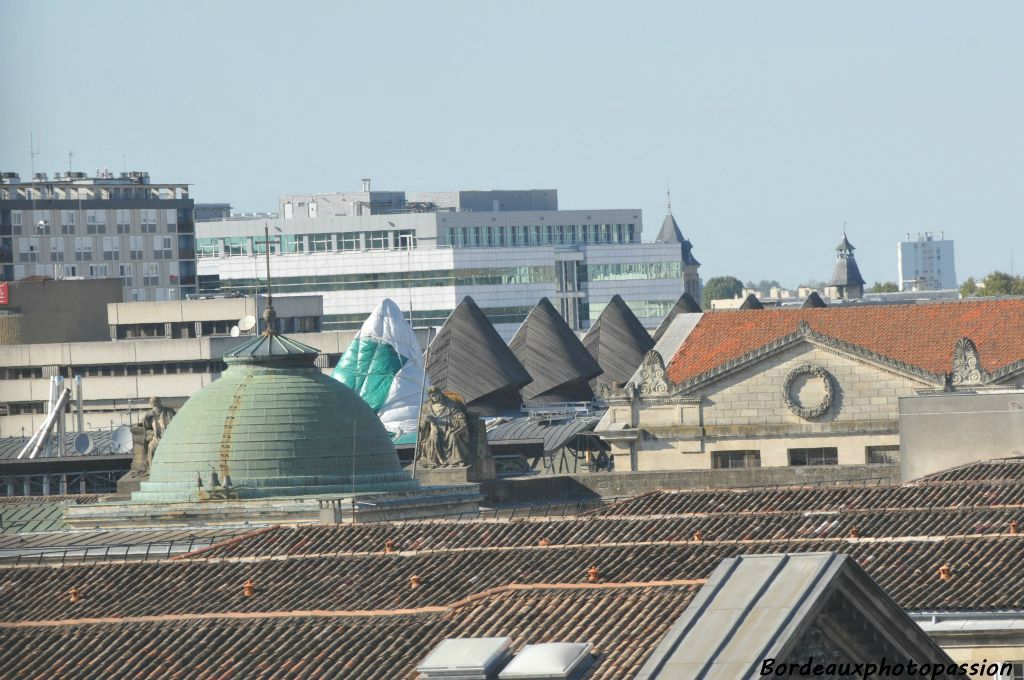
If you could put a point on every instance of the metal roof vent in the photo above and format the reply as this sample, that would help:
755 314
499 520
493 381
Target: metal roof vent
466 659
550 661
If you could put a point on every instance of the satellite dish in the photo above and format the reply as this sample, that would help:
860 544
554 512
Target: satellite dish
235 331
121 440
83 443
247 323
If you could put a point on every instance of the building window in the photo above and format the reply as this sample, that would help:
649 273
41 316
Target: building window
376 240
28 249
207 248
83 249
151 274
348 242
405 239
321 243
291 243
162 247
1016 670
877 455
825 455
126 272
100 271
736 459
135 246
56 250
111 248
236 246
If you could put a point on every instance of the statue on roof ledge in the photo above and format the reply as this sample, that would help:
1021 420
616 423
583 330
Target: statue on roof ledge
444 432
155 424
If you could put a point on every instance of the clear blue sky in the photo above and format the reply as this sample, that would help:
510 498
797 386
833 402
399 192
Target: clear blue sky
775 122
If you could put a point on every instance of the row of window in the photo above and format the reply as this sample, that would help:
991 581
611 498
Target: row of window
426 318
643 309
623 271
541 235
822 455
327 242
91 193
490 276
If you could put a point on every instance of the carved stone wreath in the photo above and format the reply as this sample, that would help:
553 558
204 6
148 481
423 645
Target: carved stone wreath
799 409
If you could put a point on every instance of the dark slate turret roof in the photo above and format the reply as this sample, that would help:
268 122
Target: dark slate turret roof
272 345
552 353
468 357
845 244
618 341
751 302
846 272
684 305
670 233
813 301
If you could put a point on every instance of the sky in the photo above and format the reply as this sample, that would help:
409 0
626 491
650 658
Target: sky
774 123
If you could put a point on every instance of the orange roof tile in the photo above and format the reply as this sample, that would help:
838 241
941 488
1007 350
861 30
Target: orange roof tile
921 335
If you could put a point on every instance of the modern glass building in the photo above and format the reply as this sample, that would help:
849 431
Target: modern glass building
426 251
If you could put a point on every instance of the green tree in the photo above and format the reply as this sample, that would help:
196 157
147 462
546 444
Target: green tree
719 288
1001 283
969 288
764 286
886 287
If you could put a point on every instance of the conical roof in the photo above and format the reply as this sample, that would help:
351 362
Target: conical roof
684 305
552 353
468 357
845 244
813 301
846 273
276 426
671 233
618 341
751 302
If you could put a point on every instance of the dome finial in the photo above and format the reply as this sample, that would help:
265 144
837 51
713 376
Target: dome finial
668 196
269 315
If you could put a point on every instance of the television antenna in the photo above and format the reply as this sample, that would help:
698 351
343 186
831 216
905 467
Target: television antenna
33 147
121 440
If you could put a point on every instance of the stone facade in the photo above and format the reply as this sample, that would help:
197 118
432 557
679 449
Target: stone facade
747 410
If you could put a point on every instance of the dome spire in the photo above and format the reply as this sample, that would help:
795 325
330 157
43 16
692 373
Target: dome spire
269 315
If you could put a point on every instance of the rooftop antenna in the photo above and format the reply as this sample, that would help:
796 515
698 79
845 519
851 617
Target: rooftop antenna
668 196
71 158
33 147
268 314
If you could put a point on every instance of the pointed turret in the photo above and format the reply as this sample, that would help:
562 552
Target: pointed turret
468 357
671 233
846 283
813 301
618 341
551 352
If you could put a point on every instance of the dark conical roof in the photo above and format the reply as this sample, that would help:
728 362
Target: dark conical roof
671 233
846 273
813 301
618 341
845 244
684 305
468 357
751 302
552 353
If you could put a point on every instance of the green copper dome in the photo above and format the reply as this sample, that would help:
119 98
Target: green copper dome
276 426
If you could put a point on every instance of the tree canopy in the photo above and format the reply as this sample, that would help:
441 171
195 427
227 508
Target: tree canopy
884 287
996 283
719 288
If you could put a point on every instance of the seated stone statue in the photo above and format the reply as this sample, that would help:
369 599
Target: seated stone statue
155 424
444 433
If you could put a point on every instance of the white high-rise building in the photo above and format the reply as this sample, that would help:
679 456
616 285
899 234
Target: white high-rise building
925 263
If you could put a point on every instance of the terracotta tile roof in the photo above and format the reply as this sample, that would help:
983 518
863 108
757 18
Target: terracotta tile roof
921 335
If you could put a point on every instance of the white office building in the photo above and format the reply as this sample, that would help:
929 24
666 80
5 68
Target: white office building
76 226
427 251
925 263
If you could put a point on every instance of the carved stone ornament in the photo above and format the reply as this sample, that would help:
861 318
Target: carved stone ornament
814 372
653 381
967 368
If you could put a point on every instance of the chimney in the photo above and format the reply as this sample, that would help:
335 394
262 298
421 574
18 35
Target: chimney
1014 527
593 576
944 574
73 595
415 581
854 532
248 589
543 542
366 185
389 545
698 535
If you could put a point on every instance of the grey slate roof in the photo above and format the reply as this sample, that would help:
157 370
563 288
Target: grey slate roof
550 351
553 434
10 447
618 341
751 302
470 358
671 233
757 607
684 305
813 301
846 273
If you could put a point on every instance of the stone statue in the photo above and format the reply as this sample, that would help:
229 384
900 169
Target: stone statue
444 432
155 424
